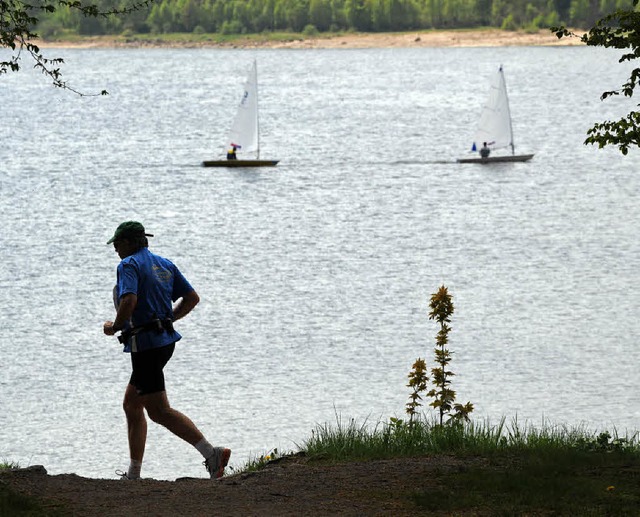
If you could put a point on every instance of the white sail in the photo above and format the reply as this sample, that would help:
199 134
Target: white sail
495 122
244 131
244 135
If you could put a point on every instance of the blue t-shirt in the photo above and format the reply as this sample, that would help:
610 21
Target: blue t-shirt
157 282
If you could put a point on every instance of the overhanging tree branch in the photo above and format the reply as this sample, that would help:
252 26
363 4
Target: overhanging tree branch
619 30
18 20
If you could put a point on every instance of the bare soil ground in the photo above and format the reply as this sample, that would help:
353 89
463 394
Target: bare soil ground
439 38
286 487
452 38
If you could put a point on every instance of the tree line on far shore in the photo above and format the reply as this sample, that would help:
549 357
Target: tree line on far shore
313 16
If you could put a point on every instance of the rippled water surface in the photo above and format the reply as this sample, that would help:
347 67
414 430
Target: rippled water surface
314 276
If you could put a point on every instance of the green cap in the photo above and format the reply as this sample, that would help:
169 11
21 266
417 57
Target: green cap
129 229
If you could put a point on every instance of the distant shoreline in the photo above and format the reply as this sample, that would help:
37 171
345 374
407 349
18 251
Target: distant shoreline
435 38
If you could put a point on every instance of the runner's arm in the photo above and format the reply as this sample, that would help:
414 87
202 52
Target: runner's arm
125 311
185 305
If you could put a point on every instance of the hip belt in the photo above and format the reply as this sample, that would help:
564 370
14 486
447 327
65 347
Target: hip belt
156 325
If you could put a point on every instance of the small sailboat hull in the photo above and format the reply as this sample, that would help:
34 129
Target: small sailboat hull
497 159
240 163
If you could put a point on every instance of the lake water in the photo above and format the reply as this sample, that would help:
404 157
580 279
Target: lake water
315 276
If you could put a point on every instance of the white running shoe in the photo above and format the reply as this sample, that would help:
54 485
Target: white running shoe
124 476
216 463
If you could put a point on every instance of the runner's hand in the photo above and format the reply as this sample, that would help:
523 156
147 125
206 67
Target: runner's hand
108 328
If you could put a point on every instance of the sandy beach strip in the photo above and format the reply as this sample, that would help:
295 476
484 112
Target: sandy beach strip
448 38
434 38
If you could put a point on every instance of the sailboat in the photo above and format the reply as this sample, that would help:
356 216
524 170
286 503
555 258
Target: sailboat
244 135
495 130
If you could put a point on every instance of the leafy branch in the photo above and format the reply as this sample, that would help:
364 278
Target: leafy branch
418 382
619 30
17 21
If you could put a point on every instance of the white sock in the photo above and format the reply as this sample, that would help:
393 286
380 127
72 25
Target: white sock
204 448
134 469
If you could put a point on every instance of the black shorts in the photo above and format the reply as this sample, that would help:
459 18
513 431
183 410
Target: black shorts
147 376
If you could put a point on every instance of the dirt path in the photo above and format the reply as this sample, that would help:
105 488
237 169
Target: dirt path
286 487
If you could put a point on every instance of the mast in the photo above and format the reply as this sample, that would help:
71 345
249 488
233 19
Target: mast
255 65
506 99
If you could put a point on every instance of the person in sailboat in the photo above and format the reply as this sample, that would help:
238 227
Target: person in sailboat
485 151
147 285
231 153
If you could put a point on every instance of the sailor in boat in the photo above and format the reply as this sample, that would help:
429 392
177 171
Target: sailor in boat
485 151
231 153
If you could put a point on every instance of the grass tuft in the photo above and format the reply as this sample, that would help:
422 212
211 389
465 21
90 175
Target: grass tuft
353 441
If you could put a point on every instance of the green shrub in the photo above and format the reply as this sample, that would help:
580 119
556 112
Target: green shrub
232 27
310 31
508 24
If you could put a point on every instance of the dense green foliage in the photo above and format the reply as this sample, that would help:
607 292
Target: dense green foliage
257 16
